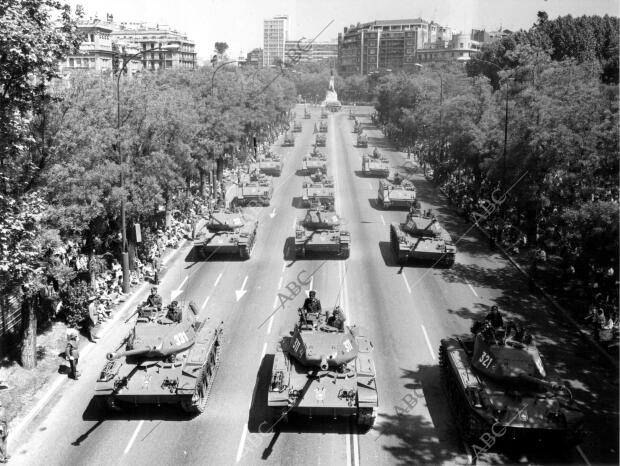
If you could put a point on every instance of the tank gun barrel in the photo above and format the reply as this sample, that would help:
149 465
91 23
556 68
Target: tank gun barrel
553 386
134 352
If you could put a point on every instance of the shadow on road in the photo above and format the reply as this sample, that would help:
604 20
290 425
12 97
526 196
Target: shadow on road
95 411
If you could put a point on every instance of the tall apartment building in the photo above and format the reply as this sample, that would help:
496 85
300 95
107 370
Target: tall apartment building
315 51
97 49
382 45
179 51
275 35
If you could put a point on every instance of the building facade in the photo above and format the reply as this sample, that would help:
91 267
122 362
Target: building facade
254 58
275 35
97 50
178 51
401 44
381 45
311 52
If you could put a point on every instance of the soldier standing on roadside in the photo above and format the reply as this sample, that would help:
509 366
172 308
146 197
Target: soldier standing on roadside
72 353
4 433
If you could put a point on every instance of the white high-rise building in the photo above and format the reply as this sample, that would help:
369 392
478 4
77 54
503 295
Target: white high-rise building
275 35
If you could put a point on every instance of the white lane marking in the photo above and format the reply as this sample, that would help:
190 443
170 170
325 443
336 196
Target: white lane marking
183 282
133 437
347 437
294 222
205 303
583 456
280 282
428 342
369 185
262 353
382 220
242 442
470 458
406 282
283 266
311 282
472 289
356 449
270 325
217 280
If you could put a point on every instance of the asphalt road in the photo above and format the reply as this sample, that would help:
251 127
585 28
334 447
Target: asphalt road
408 311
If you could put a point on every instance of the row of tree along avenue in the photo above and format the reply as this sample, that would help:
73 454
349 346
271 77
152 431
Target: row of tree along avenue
66 142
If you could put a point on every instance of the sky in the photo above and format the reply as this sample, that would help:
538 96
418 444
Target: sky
239 22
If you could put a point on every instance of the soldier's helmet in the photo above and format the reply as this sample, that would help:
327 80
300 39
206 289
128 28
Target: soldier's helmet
312 294
494 308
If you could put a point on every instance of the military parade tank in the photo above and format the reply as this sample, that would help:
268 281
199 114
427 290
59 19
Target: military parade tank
307 114
357 127
270 165
323 127
496 384
314 162
254 192
320 140
319 190
321 231
164 361
375 165
289 140
396 192
321 370
422 238
362 140
227 232
297 127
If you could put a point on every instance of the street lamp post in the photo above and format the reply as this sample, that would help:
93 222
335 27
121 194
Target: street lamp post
124 248
499 68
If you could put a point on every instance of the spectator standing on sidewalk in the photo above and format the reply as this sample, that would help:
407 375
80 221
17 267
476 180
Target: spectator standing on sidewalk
93 319
4 433
72 353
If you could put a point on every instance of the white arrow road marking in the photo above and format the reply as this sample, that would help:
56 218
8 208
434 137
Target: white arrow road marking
217 280
280 283
273 213
179 290
428 342
239 293
406 282
242 442
133 437
205 303
382 220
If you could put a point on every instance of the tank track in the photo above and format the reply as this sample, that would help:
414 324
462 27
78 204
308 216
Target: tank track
192 407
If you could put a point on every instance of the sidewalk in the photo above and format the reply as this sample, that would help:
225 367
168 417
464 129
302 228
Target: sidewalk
28 411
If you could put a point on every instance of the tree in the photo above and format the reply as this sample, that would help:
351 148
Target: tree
220 49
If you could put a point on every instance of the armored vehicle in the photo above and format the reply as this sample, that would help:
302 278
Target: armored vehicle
323 127
289 140
255 192
318 191
172 361
227 232
351 115
297 127
320 231
307 115
396 192
270 165
375 165
362 140
322 370
314 162
357 128
320 140
421 238
494 382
